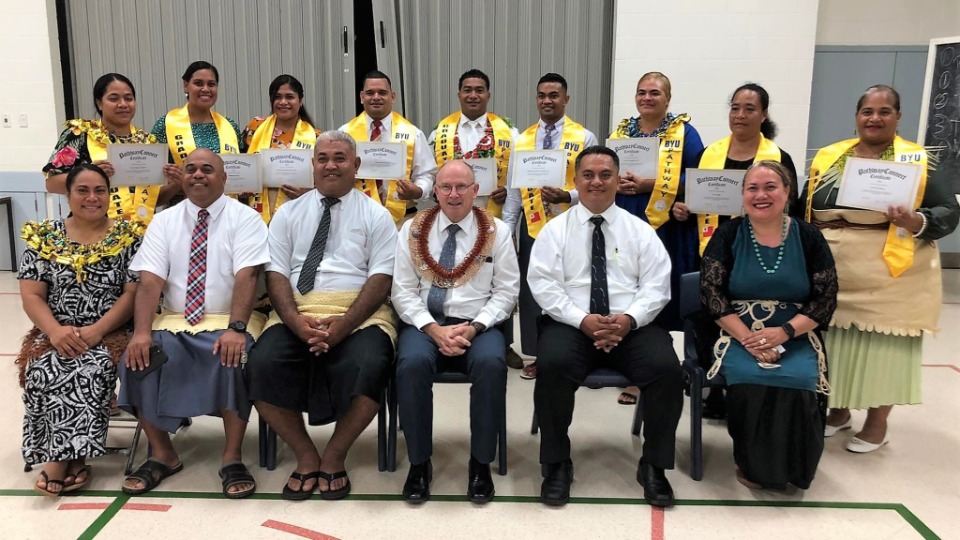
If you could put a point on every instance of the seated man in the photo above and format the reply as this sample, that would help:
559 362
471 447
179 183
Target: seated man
204 255
451 290
329 342
601 276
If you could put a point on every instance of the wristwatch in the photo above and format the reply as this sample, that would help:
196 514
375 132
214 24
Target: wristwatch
479 327
789 329
237 326
633 322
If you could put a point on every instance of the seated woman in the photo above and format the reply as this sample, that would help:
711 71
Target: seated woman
769 282
77 291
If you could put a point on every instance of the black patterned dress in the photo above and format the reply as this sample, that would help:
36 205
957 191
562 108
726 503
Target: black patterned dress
67 400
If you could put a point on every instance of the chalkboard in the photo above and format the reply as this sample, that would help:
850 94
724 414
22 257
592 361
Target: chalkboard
940 112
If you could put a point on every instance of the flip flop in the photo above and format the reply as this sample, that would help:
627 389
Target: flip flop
626 398
235 473
46 490
334 494
73 486
529 371
300 494
151 473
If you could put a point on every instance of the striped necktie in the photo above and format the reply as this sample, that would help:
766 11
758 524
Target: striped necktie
308 272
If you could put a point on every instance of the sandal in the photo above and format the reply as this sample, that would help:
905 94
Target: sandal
233 474
151 473
300 494
334 494
46 489
626 398
529 371
74 485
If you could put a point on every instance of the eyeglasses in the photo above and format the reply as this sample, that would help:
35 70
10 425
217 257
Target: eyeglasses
461 189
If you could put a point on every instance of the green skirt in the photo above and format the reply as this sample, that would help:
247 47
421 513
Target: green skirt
869 369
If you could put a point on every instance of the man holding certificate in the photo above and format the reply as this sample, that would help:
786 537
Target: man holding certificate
406 167
534 206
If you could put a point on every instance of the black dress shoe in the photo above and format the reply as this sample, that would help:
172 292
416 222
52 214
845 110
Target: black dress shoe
656 488
514 360
480 485
555 489
416 490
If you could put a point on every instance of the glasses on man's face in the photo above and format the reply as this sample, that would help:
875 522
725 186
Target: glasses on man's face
461 189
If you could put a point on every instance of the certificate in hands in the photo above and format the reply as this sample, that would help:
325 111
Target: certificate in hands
712 191
485 173
243 173
284 166
137 164
874 184
638 156
539 168
382 160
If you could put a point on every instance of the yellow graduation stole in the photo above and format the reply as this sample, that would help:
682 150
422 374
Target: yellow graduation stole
126 202
899 246
668 179
402 131
304 138
714 157
573 139
444 150
180 134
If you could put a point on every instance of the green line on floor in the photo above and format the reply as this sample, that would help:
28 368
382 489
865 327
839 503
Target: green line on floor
918 525
104 517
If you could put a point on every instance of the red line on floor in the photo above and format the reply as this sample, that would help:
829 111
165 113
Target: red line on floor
102 506
656 523
951 366
299 531
83 506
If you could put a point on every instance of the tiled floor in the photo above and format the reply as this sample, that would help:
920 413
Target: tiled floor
909 489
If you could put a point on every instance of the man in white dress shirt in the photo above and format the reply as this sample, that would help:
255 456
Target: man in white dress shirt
455 279
204 255
379 122
602 275
532 208
329 342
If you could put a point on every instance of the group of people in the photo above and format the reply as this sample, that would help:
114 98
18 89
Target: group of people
352 304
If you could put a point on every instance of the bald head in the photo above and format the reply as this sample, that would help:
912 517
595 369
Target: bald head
203 178
456 189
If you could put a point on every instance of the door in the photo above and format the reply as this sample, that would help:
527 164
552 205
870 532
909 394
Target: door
386 29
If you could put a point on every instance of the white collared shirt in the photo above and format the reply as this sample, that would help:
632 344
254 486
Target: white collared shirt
360 243
638 266
424 167
487 298
236 239
513 207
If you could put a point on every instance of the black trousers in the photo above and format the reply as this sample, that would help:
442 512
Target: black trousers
565 357
529 309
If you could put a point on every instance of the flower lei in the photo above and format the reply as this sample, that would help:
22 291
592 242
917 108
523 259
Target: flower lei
484 148
52 244
630 127
430 269
96 130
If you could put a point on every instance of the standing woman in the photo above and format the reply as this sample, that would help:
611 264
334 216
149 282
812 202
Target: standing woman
889 274
679 146
77 291
85 141
289 126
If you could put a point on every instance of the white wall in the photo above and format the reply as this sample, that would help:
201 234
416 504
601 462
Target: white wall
710 47
886 22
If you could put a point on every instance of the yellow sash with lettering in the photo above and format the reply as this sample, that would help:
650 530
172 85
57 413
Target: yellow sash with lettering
714 157
401 131
573 139
180 134
126 202
668 179
444 149
899 245
304 138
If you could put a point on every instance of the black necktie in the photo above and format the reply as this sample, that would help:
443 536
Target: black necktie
599 296
308 273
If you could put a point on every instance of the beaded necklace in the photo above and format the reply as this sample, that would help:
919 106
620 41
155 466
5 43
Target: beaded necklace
756 247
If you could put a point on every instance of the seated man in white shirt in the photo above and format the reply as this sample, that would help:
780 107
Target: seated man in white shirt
452 290
329 342
601 276
204 255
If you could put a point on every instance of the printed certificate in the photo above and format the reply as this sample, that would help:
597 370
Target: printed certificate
539 168
137 164
285 166
712 191
382 160
243 173
485 172
874 184
638 156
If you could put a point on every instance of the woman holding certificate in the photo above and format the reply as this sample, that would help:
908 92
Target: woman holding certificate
769 282
86 141
889 270
288 127
637 195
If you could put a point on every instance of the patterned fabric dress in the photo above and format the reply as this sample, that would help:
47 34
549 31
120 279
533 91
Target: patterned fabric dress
66 400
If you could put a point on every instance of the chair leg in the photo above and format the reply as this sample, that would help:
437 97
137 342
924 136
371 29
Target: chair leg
271 448
637 418
696 424
392 428
382 434
262 442
502 440
128 467
535 425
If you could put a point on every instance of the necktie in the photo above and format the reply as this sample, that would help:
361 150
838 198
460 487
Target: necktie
448 255
599 296
375 134
308 272
197 270
548 138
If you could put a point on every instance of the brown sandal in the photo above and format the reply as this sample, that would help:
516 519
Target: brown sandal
49 482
